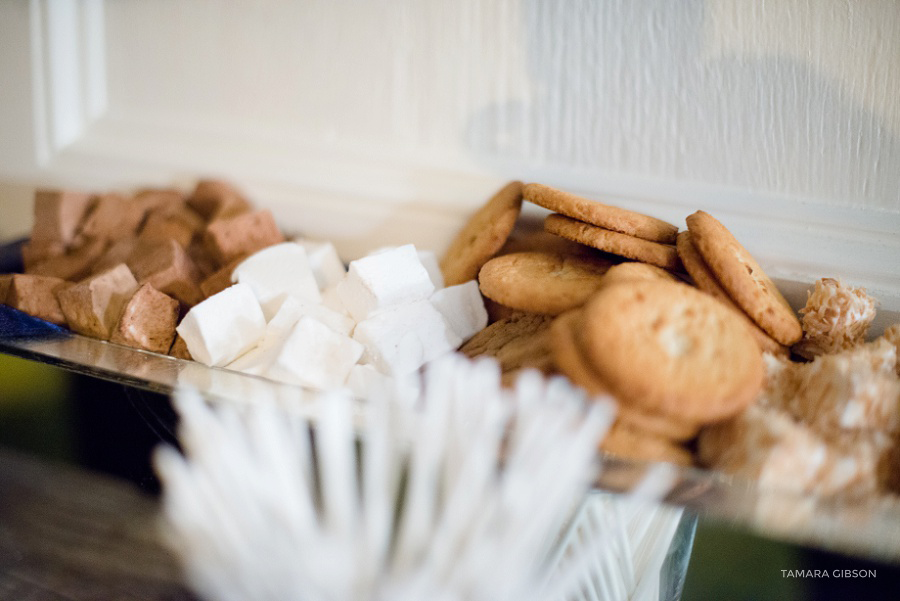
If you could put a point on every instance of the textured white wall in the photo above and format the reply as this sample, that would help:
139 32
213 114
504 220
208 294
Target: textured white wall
794 97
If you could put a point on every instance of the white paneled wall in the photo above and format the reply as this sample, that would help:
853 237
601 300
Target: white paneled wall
790 97
374 121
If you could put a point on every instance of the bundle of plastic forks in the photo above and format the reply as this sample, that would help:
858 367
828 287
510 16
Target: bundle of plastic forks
460 493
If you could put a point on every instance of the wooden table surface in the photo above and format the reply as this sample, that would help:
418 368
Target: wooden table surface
66 534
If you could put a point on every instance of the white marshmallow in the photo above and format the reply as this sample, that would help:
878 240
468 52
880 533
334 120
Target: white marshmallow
364 381
293 309
315 356
255 361
276 272
387 279
288 315
332 300
429 261
224 326
339 322
259 359
325 262
463 308
401 340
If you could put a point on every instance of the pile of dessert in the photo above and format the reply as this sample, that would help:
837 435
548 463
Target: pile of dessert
204 276
708 362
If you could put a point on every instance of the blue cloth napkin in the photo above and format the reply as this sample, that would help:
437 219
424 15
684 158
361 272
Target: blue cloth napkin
15 324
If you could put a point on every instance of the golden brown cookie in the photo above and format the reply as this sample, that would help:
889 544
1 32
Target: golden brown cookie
482 236
661 255
706 281
569 358
625 441
604 216
496 311
673 350
744 280
516 342
544 241
631 271
540 282
664 426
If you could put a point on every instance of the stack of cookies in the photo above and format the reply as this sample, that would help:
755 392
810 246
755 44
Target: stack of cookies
608 228
600 297
673 357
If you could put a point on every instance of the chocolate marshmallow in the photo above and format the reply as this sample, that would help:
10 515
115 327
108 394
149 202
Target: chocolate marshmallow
57 214
34 253
168 268
36 295
227 239
75 264
179 349
147 321
92 306
220 279
112 217
216 199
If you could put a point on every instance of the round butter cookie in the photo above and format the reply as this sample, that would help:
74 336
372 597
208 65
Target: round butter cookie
540 282
596 213
569 359
567 355
673 350
661 255
625 441
632 271
663 426
496 311
482 236
516 342
743 279
544 241
706 281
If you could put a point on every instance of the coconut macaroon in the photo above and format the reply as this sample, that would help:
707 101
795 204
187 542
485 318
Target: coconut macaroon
767 445
856 389
836 317
892 335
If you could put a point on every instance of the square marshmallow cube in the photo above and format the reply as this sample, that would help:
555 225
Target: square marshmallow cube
325 262
315 356
463 308
403 339
224 326
258 360
293 309
339 322
332 300
277 272
383 280
430 262
366 382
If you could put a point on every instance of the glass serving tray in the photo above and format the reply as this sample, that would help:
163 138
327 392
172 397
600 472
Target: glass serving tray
869 528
